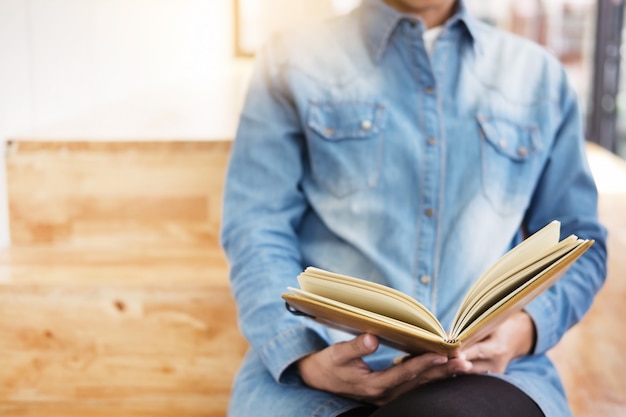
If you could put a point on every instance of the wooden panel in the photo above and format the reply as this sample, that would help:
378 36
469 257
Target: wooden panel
191 407
96 193
178 266
116 300
129 333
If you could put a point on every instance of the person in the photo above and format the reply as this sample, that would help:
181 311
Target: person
409 144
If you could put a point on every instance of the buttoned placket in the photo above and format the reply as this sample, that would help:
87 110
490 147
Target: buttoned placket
427 115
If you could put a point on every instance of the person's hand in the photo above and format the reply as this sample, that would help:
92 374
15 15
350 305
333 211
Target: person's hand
340 369
513 338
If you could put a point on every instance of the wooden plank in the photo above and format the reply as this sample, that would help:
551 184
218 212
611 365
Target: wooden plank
36 146
115 265
90 192
186 407
47 378
127 311
156 320
138 332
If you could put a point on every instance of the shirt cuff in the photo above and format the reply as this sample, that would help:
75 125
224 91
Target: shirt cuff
287 348
544 315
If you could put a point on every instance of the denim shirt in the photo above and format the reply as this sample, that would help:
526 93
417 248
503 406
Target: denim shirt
360 153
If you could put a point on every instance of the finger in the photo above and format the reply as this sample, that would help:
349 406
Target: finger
346 352
454 366
382 386
484 367
408 370
479 351
427 371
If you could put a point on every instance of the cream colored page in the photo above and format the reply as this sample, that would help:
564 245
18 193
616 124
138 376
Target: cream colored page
370 296
417 330
521 296
535 246
503 288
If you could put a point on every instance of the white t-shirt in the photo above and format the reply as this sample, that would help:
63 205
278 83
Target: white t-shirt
430 37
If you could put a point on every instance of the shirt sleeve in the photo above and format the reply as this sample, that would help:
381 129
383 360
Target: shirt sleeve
263 206
567 192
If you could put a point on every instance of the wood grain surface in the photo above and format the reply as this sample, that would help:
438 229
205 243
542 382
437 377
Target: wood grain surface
136 332
114 299
100 193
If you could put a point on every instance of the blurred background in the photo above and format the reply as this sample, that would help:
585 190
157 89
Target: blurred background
164 68
177 69
116 119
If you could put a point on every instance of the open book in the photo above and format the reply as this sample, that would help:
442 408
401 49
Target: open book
359 306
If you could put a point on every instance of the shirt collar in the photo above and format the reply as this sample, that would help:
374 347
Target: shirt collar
380 20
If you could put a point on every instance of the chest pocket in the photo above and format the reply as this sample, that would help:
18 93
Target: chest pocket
345 143
510 160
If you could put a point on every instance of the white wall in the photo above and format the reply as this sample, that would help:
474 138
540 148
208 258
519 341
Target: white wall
64 61
15 70
116 69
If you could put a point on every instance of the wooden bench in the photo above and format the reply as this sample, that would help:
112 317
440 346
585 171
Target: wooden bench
115 298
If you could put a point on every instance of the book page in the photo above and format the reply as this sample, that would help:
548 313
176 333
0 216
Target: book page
394 333
362 312
503 287
532 248
519 298
370 296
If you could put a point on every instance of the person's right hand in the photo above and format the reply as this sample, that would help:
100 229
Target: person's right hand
340 369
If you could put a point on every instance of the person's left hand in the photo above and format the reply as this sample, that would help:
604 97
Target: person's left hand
513 338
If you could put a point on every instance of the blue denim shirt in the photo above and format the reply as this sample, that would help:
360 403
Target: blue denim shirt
360 153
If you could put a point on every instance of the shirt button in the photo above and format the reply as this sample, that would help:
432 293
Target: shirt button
428 90
429 212
425 279
432 140
366 125
522 151
502 143
329 131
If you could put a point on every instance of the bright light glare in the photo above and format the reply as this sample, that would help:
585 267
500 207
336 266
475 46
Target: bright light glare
345 6
608 172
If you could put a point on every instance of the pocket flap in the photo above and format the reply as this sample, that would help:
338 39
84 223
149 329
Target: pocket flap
511 140
346 120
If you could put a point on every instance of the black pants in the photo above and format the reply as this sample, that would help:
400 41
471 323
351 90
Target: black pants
463 396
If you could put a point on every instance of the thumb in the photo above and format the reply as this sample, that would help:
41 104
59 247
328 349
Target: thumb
356 348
